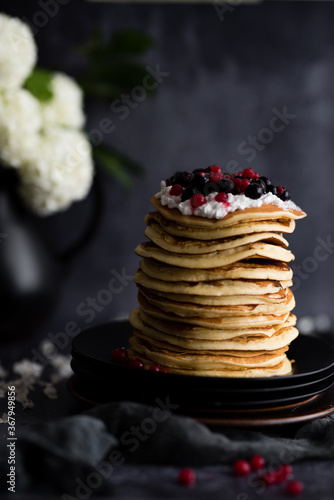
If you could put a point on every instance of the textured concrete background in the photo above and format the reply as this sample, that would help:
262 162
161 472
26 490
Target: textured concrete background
225 79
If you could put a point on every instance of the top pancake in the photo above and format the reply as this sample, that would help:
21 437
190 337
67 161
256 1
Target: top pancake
264 212
281 225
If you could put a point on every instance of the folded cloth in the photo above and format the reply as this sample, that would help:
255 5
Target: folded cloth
77 454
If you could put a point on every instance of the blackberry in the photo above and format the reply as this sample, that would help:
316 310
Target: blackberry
200 181
285 196
182 178
261 183
268 183
225 186
253 191
188 193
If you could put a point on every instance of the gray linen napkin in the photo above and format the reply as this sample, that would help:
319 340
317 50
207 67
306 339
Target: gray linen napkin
66 455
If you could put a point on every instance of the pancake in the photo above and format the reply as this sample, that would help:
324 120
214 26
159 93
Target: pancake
247 269
221 300
213 288
241 228
284 367
191 309
264 212
195 331
191 360
182 245
280 340
223 322
215 259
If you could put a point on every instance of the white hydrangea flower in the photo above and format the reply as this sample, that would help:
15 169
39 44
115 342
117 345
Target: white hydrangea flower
20 122
59 172
66 106
18 52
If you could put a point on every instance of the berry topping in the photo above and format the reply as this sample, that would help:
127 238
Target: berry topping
136 363
280 190
254 191
225 185
214 169
163 370
267 182
182 178
257 462
200 181
249 173
120 355
197 200
154 368
285 196
221 197
188 193
176 190
187 477
294 488
241 467
215 178
240 185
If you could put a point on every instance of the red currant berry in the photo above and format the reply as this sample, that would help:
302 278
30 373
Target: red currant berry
187 477
136 363
283 473
215 178
241 184
241 467
120 355
154 368
197 200
294 488
280 190
221 197
216 170
249 172
257 462
163 370
176 190
269 478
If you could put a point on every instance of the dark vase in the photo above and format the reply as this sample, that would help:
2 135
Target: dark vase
30 271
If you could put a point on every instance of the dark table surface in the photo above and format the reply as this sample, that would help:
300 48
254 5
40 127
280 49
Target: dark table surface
150 481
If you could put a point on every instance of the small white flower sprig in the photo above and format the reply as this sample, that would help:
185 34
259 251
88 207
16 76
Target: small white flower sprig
41 132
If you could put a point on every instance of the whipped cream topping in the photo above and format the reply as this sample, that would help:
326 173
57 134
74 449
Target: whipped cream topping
217 210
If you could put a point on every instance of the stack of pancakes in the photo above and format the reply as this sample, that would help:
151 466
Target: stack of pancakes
214 296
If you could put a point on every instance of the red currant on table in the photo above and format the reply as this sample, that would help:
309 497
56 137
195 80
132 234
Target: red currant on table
154 368
294 487
197 200
136 363
257 462
283 473
269 478
120 355
187 477
241 467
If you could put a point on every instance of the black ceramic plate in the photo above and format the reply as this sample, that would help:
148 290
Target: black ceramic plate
91 351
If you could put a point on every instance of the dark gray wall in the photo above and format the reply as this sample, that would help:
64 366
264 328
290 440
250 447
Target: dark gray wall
225 79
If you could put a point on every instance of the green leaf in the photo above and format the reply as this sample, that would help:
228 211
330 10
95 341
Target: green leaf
39 84
130 41
113 165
